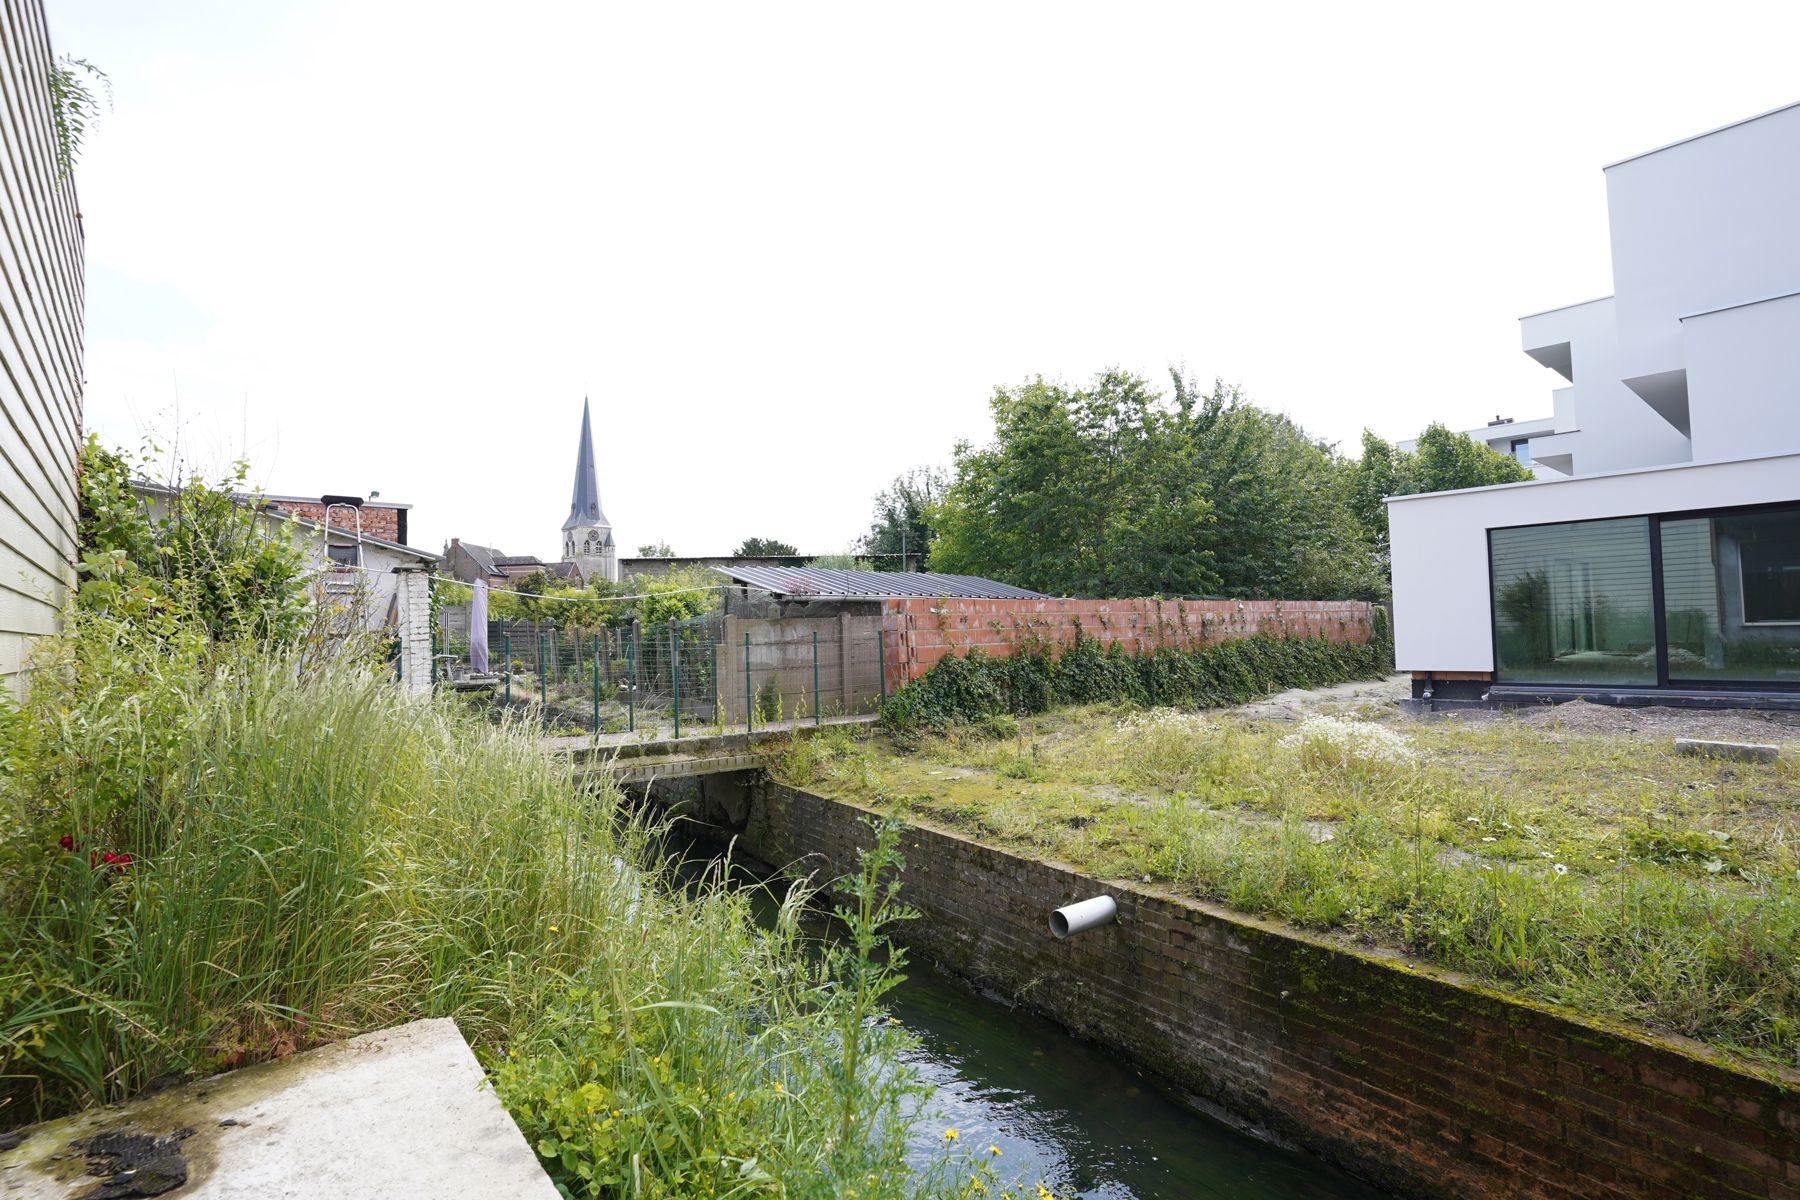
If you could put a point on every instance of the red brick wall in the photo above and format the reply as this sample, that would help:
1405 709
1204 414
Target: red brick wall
919 633
1407 1076
377 521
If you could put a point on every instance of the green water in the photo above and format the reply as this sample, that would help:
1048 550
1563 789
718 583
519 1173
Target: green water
1069 1112
1077 1114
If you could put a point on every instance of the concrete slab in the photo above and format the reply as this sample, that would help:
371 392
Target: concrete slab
649 742
401 1114
1736 751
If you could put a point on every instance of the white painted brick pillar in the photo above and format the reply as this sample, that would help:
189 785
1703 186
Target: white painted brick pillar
412 593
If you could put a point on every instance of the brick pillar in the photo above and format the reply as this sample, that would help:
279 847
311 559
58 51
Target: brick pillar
412 600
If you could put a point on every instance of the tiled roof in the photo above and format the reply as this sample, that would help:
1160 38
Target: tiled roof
809 583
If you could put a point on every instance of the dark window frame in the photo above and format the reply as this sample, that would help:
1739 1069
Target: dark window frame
1658 600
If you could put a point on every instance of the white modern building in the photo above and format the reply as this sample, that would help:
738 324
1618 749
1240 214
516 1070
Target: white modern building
1663 560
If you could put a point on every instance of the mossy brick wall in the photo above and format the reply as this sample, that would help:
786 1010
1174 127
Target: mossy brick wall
921 632
1408 1077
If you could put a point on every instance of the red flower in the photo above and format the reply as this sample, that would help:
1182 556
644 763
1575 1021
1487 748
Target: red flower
121 863
66 841
109 857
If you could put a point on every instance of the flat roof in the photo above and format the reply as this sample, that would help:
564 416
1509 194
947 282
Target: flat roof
1694 137
1531 483
814 583
1544 312
376 502
1707 312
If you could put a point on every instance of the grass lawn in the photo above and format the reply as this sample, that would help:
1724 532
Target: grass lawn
1592 868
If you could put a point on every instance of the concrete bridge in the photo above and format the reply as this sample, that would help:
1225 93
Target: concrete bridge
633 760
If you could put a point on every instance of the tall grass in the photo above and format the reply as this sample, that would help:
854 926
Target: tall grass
310 854
214 854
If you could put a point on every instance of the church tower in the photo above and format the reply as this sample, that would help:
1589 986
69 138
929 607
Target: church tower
587 538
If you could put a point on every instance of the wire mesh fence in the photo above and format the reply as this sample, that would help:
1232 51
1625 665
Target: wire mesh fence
714 673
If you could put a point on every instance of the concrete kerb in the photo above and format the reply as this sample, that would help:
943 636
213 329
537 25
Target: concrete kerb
401 1113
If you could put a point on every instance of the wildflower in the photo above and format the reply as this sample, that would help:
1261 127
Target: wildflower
1487 839
1339 742
122 863
993 1149
66 841
950 1135
779 1089
554 929
1560 869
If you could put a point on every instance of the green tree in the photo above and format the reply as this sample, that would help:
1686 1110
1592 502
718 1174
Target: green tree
1444 461
764 548
655 550
1095 491
901 531
201 551
1284 525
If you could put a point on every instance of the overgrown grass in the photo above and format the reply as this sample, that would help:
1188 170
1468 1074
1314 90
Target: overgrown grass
212 855
1597 871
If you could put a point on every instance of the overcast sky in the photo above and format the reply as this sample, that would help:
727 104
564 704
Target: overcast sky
789 250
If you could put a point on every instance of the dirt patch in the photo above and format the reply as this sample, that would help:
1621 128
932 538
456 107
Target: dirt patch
134 1164
1376 697
1581 716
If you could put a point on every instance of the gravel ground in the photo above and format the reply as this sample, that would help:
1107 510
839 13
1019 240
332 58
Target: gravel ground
1380 701
1579 716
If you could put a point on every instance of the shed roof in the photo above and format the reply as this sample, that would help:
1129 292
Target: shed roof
809 583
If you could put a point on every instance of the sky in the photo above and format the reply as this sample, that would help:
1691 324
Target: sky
789 250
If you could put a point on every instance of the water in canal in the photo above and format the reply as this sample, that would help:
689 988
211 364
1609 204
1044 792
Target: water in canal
1075 1114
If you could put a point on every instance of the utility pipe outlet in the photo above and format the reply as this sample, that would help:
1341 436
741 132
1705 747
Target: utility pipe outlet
1083 915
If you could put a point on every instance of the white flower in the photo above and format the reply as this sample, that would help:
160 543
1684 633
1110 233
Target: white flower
1560 869
1342 742
1167 720
1488 839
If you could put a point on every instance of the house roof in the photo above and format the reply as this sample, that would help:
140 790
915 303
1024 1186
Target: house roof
485 558
330 531
809 583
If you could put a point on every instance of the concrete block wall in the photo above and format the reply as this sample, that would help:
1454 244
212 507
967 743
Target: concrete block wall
781 652
1427 1084
922 632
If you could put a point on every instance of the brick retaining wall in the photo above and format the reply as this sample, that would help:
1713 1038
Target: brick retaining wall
1406 1076
921 632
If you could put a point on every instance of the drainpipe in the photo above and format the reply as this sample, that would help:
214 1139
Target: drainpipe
1082 916
1429 680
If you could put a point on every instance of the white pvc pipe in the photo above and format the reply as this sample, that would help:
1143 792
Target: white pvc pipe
1082 916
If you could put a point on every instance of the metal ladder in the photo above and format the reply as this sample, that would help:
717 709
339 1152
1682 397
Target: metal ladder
356 514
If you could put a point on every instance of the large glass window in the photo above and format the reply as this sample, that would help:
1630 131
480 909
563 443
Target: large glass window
1573 603
1731 597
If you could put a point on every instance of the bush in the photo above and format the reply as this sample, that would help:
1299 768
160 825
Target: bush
973 688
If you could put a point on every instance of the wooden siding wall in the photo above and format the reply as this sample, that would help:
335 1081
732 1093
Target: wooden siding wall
41 299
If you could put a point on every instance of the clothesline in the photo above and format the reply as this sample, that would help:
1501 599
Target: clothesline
711 587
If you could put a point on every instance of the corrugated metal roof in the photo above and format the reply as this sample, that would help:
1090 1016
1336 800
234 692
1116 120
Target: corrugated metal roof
808 583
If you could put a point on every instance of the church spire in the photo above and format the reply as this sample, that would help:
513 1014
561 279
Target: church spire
584 504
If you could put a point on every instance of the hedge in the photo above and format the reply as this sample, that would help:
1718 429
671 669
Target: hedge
974 688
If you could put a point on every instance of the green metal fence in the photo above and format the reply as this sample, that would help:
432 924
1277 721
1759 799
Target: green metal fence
677 678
